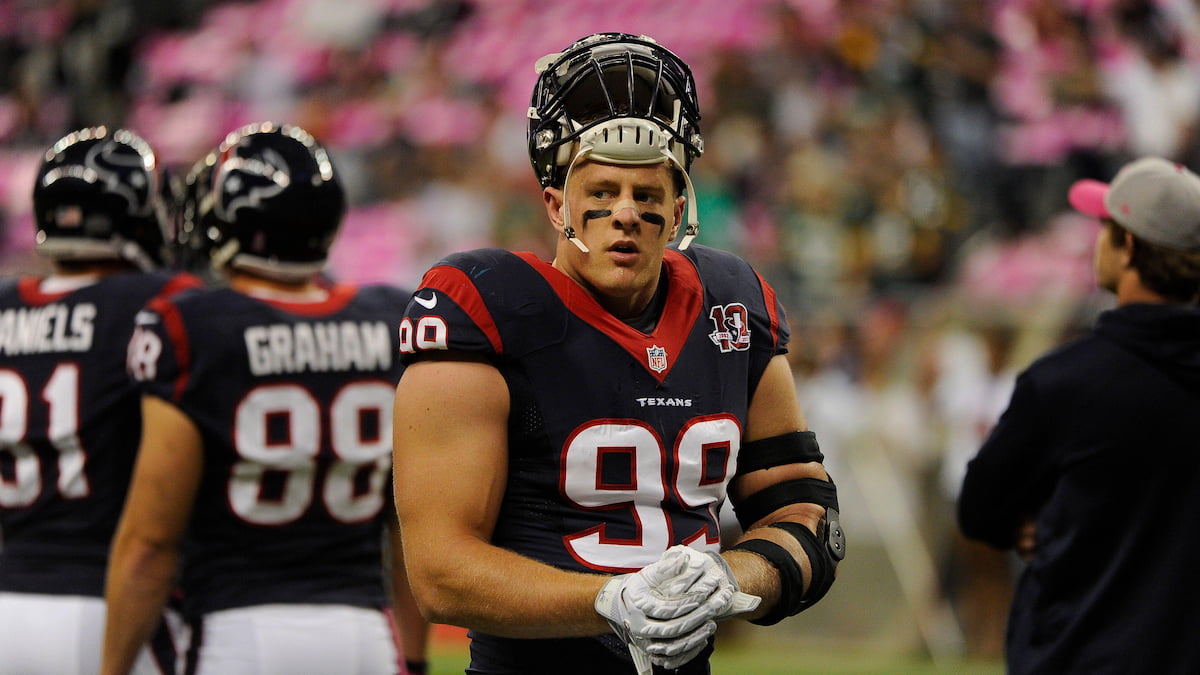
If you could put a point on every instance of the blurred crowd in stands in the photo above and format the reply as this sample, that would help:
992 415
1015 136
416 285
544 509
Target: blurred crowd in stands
896 168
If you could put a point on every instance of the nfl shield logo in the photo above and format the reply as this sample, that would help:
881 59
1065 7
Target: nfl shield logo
658 358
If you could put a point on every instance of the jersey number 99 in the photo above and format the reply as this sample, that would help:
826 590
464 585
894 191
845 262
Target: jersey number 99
653 482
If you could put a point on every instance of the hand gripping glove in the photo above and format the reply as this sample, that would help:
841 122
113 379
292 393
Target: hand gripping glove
667 611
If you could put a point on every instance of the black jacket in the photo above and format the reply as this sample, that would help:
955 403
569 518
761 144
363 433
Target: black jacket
1101 444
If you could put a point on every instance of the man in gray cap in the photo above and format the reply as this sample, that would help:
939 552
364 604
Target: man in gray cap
1093 472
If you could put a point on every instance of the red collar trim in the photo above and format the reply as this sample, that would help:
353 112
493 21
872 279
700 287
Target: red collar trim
657 351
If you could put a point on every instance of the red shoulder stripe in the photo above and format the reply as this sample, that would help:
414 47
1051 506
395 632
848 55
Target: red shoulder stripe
455 284
173 323
772 304
180 282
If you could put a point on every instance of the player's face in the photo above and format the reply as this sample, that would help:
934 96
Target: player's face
626 216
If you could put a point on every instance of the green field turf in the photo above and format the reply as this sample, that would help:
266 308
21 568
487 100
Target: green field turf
451 659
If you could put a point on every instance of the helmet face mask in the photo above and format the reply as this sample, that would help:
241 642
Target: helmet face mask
604 90
267 200
607 77
192 232
99 197
618 99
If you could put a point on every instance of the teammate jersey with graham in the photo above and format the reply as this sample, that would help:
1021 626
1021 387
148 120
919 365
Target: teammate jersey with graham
69 421
621 443
293 403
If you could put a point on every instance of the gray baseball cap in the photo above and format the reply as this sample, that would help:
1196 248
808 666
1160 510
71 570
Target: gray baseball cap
1155 199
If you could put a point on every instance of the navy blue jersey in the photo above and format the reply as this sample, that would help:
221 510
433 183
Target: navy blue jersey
293 402
70 423
621 443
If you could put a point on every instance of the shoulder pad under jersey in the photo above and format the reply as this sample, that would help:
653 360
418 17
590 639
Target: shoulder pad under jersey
487 300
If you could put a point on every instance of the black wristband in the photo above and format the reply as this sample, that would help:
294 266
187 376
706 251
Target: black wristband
791 578
416 667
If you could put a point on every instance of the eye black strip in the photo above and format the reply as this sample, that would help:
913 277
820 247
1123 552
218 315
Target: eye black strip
652 218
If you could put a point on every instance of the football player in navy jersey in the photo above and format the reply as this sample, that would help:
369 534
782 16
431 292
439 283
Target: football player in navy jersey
264 472
69 415
566 431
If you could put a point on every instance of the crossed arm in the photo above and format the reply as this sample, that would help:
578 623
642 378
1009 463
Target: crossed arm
774 411
450 427
450 439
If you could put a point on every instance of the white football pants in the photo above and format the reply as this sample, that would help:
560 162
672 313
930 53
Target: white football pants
297 640
55 635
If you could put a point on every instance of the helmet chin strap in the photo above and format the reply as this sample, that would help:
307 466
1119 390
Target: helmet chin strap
629 141
224 254
133 253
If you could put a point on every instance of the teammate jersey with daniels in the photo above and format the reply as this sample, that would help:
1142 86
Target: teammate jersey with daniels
69 427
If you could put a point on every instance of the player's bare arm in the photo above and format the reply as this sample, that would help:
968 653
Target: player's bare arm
146 546
450 480
410 626
763 570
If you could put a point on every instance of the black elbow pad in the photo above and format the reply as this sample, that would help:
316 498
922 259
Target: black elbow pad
825 550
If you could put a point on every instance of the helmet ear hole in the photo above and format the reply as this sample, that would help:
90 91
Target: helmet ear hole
562 155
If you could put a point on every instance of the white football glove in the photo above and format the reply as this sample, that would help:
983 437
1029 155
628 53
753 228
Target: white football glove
667 611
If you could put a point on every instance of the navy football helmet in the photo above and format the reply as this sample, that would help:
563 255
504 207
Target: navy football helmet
266 200
99 196
616 98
